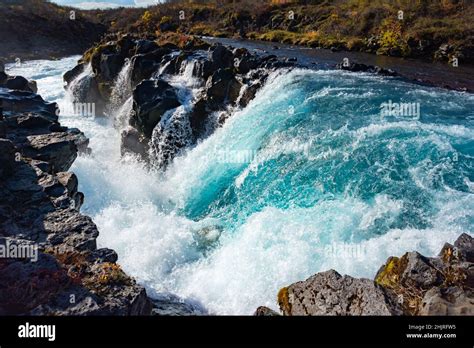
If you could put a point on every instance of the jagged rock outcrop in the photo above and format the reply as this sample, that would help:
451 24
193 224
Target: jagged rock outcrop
329 293
61 271
226 77
151 99
410 285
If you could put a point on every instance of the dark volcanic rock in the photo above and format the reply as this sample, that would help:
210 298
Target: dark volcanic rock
64 273
221 57
358 67
223 87
110 66
450 301
151 99
19 83
59 148
144 65
173 306
7 158
145 46
26 101
70 75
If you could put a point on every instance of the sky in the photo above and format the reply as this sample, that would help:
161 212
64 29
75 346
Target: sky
88 4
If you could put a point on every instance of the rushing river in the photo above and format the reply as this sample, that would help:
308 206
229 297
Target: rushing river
308 177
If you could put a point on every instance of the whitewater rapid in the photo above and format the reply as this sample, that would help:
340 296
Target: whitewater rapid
308 177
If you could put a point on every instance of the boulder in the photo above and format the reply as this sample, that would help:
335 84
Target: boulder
151 99
134 142
70 75
221 56
199 116
411 270
329 293
19 83
223 87
263 311
449 301
110 66
144 65
145 46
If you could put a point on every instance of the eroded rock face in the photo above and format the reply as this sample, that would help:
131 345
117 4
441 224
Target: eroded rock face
409 285
151 99
40 210
227 78
223 87
329 293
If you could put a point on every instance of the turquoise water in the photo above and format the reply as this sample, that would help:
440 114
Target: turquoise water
309 176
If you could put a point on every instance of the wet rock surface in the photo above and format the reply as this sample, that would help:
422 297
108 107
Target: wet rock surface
61 271
226 78
409 285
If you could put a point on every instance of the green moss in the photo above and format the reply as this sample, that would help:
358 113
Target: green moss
389 276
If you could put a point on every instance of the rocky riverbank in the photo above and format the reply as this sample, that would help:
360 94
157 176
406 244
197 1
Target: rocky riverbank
409 285
50 262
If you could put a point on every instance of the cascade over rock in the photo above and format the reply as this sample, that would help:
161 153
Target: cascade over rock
223 76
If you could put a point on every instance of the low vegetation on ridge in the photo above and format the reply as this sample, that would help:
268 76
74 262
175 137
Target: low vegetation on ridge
436 29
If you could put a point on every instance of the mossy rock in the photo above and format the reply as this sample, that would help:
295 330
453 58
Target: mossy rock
390 274
284 301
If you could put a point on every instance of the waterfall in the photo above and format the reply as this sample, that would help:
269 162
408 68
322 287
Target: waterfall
120 104
122 116
122 88
287 211
78 89
173 133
